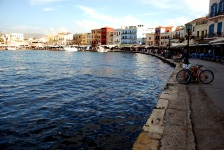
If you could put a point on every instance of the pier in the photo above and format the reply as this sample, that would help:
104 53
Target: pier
186 116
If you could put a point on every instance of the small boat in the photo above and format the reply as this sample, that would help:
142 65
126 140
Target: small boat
12 48
102 49
70 48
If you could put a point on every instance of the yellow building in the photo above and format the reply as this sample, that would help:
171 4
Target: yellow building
80 39
96 37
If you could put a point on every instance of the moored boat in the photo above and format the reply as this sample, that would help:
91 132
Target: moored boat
11 47
102 49
70 48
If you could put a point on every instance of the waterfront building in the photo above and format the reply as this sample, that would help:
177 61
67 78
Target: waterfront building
216 19
89 38
216 26
80 39
141 34
199 29
165 37
65 38
14 39
162 35
178 36
117 37
128 36
201 26
105 33
96 37
150 39
53 40
110 35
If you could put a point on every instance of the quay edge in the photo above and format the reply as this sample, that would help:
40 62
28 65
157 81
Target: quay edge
169 126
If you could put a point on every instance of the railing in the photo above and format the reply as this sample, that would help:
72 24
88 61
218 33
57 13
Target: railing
197 38
217 34
201 22
213 14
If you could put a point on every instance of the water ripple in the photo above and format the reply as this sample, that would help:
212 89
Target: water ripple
59 100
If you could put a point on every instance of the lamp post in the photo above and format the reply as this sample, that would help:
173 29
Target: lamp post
188 28
171 53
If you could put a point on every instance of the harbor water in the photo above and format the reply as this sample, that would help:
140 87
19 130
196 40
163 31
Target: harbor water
77 100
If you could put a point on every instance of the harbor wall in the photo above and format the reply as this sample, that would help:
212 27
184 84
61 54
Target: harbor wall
169 125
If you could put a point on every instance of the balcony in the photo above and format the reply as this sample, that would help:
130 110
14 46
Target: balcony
199 38
217 34
213 14
201 22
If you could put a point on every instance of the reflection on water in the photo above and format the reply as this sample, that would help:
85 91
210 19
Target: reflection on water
81 100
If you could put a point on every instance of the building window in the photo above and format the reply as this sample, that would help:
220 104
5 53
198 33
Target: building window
219 28
221 8
213 10
211 30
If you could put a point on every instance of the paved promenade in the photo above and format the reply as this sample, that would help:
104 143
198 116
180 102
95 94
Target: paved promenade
187 117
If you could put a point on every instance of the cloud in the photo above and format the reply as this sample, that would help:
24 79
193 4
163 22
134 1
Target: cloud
48 9
159 3
55 31
176 21
100 19
25 28
152 14
199 7
39 2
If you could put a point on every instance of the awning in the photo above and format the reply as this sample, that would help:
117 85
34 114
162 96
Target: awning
182 44
178 44
220 43
127 45
218 40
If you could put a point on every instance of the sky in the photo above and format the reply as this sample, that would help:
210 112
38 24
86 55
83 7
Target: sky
80 16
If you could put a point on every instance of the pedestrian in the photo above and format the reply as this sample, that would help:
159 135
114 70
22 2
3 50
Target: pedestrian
185 59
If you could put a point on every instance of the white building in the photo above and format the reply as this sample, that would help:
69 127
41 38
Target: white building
128 35
89 38
65 38
117 37
216 18
14 39
141 34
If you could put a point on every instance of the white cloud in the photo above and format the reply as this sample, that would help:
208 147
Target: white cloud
196 8
99 19
48 9
55 31
38 2
24 28
87 25
159 3
152 14
176 21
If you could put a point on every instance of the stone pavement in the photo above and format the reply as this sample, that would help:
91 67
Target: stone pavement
169 126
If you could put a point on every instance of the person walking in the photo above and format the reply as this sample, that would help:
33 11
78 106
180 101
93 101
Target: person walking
185 59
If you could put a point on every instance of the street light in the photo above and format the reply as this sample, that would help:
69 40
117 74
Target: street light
188 27
169 38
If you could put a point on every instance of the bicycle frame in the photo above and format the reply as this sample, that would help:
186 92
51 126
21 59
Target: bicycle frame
196 73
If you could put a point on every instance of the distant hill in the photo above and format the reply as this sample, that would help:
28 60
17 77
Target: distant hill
33 35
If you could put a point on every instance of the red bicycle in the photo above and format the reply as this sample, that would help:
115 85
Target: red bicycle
196 73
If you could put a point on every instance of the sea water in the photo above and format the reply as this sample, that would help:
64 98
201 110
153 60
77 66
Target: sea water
77 100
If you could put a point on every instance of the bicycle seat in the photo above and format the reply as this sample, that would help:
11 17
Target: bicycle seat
199 65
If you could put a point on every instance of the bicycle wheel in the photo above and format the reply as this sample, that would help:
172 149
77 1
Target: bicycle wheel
206 76
183 77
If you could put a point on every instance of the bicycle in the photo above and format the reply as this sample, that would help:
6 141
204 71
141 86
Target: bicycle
185 75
